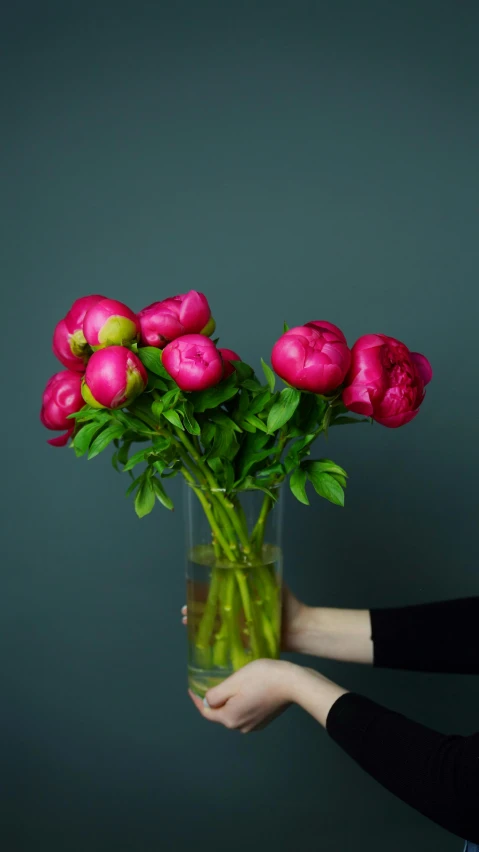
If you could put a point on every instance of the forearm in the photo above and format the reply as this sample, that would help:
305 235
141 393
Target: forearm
312 691
333 633
437 774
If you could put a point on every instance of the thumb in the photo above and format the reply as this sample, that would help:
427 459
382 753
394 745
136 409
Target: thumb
218 695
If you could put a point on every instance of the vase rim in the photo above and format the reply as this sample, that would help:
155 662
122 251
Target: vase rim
207 489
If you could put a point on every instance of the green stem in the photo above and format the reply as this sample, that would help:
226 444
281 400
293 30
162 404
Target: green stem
251 620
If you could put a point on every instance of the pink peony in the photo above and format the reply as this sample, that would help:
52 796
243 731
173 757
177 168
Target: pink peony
110 323
227 356
174 317
69 343
386 381
312 357
114 377
193 361
61 397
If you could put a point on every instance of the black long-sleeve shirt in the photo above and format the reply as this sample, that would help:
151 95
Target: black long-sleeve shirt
435 773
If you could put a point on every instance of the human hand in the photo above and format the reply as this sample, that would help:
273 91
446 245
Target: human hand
250 698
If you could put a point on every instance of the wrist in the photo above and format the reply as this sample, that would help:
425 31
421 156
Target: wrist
314 692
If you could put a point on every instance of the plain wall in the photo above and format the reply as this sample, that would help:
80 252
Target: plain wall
293 161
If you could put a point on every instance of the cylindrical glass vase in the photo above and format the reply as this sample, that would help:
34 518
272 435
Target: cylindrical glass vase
234 581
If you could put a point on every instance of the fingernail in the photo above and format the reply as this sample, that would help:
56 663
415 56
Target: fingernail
205 702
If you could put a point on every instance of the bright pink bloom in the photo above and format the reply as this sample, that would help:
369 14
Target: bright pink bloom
61 397
227 356
114 377
312 358
173 317
110 323
193 361
69 343
386 381
322 325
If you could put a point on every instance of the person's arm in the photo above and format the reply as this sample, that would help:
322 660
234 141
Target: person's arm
439 636
437 774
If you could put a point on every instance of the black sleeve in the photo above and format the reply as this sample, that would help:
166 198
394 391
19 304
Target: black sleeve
441 636
437 774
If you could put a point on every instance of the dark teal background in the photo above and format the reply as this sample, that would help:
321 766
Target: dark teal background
293 161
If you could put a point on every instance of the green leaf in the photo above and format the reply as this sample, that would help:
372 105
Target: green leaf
161 443
150 357
285 327
191 424
297 483
251 485
170 398
208 432
271 470
215 396
251 384
243 371
157 408
161 493
298 450
324 466
225 422
89 413
132 422
102 440
221 444
155 383
133 485
341 479
144 498
85 435
283 409
260 402
342 421
269 375
135 459
253 420
173 417
326 486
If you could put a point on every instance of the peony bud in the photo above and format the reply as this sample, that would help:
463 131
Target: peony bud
193 361
69 344
312 357
164 321
386 381
227 356
61 397
114 377
110 323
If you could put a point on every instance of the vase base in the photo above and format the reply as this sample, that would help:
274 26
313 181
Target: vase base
201 680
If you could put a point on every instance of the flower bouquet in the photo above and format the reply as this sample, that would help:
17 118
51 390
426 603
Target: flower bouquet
171 401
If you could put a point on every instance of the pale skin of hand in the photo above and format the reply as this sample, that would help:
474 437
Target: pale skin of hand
259 692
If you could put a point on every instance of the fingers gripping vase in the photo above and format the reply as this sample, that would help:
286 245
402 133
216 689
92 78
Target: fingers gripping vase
233 577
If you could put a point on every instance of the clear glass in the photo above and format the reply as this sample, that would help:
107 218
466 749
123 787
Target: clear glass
234 570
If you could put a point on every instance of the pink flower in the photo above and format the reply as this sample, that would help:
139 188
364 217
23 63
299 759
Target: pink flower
173 317
227 356
386 381
114 377
193 361
312 357
61 397
69 343
322 325
110 323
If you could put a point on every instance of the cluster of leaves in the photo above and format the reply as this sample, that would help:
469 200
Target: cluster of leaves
250 435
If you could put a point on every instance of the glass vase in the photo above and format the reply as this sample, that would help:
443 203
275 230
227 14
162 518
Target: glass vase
233 579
